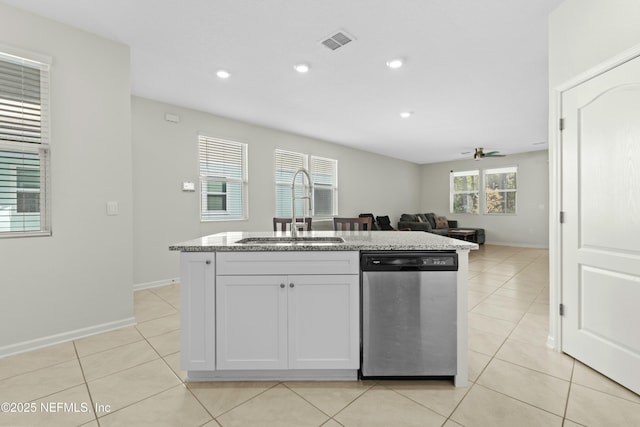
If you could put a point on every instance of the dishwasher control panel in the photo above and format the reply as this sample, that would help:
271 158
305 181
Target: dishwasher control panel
409 260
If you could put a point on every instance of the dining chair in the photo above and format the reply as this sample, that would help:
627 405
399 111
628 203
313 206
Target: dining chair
352 224
282 222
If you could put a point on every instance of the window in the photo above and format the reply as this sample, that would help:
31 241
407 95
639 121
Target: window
500 190
324 175
464 192
324 178
24 147
223 179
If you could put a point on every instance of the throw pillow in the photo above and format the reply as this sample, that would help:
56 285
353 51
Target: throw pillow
441 222
419 218
431 217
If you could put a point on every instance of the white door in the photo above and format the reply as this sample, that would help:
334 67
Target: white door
324 322
251 322
601 232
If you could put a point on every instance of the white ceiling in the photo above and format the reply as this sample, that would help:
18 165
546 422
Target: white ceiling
475 72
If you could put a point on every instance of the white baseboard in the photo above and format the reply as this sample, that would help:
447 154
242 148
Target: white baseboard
551 343
517 245
22 347
156 284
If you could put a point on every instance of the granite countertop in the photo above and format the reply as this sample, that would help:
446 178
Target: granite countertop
353 241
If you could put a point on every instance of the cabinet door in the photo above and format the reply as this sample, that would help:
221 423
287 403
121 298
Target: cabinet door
324 322
251 322
197 296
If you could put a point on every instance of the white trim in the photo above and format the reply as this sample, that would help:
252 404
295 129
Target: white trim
25 346
274 375
155 284
554 339
21 54
517 245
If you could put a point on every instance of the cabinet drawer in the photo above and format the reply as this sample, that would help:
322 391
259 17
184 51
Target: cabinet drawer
311 262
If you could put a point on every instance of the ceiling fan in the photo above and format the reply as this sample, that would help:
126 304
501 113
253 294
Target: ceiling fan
479 154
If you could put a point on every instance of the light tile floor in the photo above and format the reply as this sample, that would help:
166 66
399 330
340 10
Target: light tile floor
131 377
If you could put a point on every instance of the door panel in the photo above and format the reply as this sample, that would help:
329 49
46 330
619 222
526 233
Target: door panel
324 322
601 233
251 322
605 288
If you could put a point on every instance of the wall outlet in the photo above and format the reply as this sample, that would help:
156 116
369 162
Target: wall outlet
112 208
188 186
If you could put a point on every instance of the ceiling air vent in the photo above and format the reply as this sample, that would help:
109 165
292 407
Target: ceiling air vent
337 40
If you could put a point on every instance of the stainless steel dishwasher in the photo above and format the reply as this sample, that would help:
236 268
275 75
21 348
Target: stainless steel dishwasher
409 314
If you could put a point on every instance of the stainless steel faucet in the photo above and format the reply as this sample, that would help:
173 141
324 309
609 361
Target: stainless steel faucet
294 229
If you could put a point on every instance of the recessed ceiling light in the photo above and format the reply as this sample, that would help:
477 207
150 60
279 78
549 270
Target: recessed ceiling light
301 68
223 74
406 114
395 63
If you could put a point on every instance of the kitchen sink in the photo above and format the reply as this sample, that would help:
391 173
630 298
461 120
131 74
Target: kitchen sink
289 240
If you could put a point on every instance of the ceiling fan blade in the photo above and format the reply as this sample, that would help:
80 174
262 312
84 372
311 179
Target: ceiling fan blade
495 155
491 153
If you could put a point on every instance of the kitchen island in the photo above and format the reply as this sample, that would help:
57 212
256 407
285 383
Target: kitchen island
263 306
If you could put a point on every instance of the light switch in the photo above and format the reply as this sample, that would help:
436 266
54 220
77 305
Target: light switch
112 208
188 186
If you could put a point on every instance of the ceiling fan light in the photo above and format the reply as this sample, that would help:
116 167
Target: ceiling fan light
406 114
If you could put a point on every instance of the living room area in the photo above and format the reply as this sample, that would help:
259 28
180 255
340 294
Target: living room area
526 225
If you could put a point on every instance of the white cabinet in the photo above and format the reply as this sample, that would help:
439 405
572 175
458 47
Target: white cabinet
287 322
285 312
197 296
251 322
324 322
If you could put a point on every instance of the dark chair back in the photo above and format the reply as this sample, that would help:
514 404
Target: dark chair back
352 224
374 226
282 223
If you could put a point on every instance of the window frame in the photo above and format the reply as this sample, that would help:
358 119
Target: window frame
453 193
228 155
26 140
487 191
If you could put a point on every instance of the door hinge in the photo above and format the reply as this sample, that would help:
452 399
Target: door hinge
561 217
561 124
561 310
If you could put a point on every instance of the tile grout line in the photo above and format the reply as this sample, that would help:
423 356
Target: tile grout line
86 385
331 416
239 404
516 364
566 403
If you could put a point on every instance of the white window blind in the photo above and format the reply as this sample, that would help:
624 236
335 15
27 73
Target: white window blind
287 163
324 177
223 179
24 147
324 174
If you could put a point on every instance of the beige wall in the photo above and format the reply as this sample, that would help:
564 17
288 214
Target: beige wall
585 33
165 154
78 280
530 227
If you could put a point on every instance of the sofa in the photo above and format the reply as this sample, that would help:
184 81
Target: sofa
432 223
